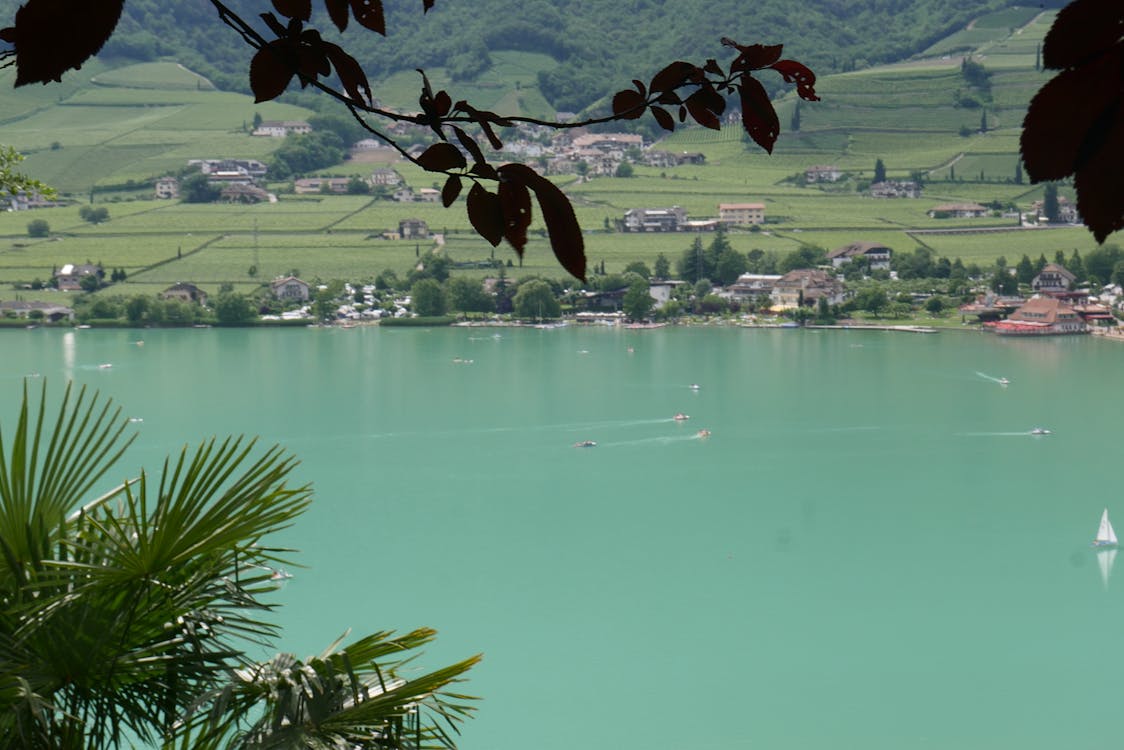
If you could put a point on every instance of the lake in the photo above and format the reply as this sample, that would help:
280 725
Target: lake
869 550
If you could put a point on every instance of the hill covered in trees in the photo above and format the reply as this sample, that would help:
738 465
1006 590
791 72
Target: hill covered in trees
598 44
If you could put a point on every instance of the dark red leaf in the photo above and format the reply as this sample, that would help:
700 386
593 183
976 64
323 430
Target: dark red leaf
672 76
50 40
669 97
801 75
426 5
562 226
369 15
628 104
758 116
451 190
756 56
664 118
350 73
682 114
699 105
441 157
269 73
312 62
1062 118
485 170
1100 201
639 86
485 214
469 145
8 35
714 68
442 103
515 200
338 12
274 25
301 9
1082 30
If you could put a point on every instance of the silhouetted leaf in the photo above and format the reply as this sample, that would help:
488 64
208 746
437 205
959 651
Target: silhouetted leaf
756 56
485 170
442 103
801 75
664 118
628 104
1062 118
469 145
350 73
369 15
1100 201
706 105
441 157
1082 30
639 86
669 97
485 214
339 13
561 224
274 25
515 200
672 76
426 5
451 190
50 40
758 116
269 72
714 68
301 9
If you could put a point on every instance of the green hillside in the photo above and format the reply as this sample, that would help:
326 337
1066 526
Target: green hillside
921 117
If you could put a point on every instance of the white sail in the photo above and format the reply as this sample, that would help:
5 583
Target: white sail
1105 534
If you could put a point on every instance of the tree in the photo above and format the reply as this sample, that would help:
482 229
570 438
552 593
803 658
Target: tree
624 169
292 49
1024 270
879 171
1050 207
139 614
731 264
93 215
196 188
794 121
233 309
13 181
661 269
637 303
692 265
935 305
428 298
90 282
38 228
136 309
535 300
468 295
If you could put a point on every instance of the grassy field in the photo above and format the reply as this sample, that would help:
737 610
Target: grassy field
108 126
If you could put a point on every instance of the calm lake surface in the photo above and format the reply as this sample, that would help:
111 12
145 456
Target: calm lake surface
869 551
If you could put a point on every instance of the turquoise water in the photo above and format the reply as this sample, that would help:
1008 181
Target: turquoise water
869 551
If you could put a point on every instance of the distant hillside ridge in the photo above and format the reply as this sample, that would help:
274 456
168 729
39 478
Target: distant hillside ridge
599 45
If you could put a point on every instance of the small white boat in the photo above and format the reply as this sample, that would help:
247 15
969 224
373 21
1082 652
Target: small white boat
681 417
1004 381
1106 536
1039 431
585 444
694 386
105 366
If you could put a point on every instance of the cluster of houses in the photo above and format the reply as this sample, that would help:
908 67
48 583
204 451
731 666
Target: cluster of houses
674 218
1056 307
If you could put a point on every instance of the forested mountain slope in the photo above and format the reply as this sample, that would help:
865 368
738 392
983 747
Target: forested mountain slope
599 44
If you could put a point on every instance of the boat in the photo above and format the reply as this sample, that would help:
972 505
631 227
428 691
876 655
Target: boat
585 444
681 417
703 433
1004 381
1039 431
105 366
1106 536
694 386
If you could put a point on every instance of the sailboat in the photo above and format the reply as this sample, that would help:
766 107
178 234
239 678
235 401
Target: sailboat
1106 537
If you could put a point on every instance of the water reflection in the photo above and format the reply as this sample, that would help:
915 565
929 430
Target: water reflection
1105 558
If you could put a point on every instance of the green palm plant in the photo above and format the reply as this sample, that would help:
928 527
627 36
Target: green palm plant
125 618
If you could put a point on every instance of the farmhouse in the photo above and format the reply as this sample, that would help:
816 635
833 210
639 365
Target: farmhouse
410 229
741 214
167 187
877 253
1053 278
321 184
805 286
69 277
750 286
655 219
185 292
385 176
895 189
27 309
822 174
282 128
608 141
958 211
290 288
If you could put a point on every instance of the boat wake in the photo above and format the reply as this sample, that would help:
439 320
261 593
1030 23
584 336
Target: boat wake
993 379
